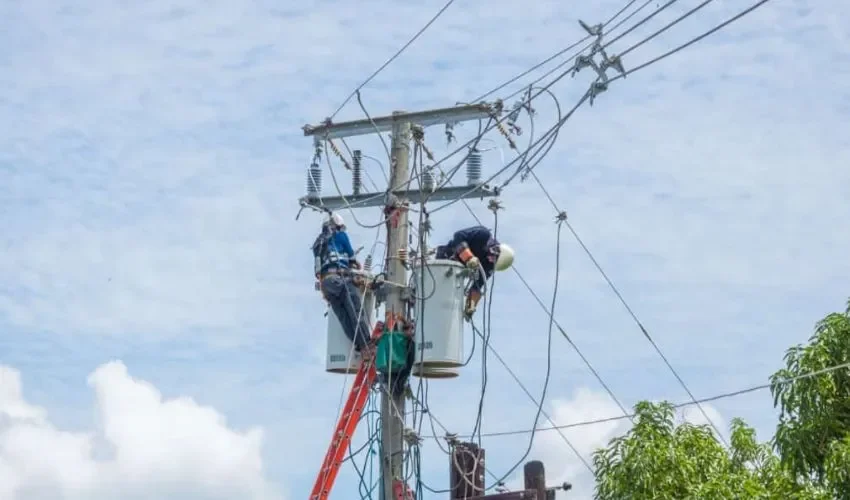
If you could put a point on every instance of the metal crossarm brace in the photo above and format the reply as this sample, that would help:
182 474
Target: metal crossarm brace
414 196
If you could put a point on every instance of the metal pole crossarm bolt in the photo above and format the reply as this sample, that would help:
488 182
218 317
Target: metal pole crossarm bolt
366 126
414 196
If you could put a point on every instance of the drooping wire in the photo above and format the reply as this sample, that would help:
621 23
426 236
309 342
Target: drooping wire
547 311
487 324
631 312
560 222
531 397
560 329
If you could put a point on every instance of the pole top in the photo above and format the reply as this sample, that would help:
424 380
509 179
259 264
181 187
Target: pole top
454 114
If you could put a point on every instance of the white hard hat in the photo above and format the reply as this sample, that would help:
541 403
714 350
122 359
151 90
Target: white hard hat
505 259
336 220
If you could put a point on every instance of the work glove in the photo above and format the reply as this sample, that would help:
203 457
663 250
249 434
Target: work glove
468 311
473 263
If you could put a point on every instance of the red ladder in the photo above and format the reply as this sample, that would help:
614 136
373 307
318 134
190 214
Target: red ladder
346 426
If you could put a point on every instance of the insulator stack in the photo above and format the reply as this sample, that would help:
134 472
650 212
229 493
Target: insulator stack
473 167
428 181
356 172
402 254
314 180
367 263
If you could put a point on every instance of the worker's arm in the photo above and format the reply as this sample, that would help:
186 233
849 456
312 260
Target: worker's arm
475 237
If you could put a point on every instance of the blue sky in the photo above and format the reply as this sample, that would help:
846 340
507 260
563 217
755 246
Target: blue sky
156 293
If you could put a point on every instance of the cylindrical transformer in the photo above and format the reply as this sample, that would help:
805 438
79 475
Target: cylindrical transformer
428 181
473 167
356 171
314 180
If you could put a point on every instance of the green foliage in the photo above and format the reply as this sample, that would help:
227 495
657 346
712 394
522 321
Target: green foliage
813 434
810 454
658 459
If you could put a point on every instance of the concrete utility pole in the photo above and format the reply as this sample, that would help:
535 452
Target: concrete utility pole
392 403
395 203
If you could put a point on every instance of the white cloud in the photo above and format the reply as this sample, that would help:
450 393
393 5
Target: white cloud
144 447
560 461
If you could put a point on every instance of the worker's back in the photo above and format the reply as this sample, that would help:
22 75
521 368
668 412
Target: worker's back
332 248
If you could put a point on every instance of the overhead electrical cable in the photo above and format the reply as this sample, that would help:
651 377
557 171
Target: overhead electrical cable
590 45
684 404
631 312
692 41
556 54
542 400
527 160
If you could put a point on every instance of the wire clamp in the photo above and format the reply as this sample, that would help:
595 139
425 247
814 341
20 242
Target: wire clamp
583 61
595 30
612 62
513 116
497 108
451 439
411 438
561 217
597 87
450 135
418 133
495 205
425 226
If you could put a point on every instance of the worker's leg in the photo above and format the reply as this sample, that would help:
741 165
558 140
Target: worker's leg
337 294
472 299
359 315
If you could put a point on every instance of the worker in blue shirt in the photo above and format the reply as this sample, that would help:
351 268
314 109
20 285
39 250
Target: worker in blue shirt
334 260
481 253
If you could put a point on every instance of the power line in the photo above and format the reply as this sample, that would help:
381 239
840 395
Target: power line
692 41
543 145
613 28
631 312
589 253
394 56
555 55
549 312
717 397
549 365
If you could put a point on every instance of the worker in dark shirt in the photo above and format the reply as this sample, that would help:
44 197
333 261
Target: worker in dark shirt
476 248
334 259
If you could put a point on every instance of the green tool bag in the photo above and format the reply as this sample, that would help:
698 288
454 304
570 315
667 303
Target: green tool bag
391 355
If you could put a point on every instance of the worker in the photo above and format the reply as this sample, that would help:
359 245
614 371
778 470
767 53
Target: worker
334 260
476 248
